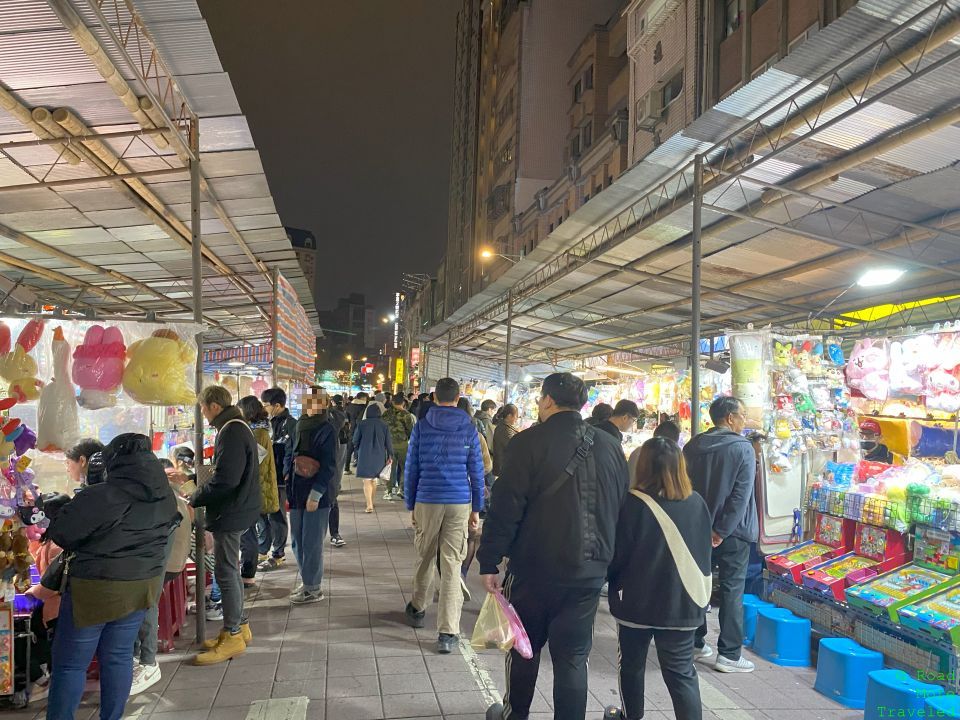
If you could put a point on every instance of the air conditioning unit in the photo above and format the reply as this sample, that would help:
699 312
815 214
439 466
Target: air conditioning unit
649 109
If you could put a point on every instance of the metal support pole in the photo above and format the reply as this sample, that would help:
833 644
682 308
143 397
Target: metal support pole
197 257
506 362
449 337
274 327
697 248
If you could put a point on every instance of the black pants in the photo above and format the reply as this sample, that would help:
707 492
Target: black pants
343 457
675 653
731 558
562 617
273 528
249 553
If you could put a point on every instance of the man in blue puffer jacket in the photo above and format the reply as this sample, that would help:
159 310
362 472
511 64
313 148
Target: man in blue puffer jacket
443 487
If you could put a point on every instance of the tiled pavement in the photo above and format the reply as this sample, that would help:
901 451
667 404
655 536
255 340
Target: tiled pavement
355 659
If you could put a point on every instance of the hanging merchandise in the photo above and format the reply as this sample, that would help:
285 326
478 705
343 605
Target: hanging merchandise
98 367
749 378
868 369
17 367
157 368
58 428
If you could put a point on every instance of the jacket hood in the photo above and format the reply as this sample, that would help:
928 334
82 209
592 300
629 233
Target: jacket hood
448 419
373 411
713 441
139 475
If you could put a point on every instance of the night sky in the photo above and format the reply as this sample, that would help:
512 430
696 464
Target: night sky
350 105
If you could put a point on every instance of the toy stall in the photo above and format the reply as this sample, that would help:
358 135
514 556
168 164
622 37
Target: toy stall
64 379
883 565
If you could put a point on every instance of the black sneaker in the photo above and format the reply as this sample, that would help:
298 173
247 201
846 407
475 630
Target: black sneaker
337 541
446 643
414 617
495 712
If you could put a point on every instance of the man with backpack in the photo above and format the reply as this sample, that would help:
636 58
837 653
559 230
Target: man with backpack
553 512
400 423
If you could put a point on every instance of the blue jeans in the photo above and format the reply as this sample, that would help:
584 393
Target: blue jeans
73 650
308 530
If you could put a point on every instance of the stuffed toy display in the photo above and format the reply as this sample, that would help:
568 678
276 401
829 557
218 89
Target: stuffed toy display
867 370
98 367
157 369
17 367
58 427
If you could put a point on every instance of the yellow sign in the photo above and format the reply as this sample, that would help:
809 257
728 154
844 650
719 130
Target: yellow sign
398 372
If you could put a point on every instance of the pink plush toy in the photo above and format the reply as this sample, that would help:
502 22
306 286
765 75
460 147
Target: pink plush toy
942 391
98 367
867 369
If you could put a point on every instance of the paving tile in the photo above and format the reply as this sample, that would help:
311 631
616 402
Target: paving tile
181 715
355 708
287 689
188 677
243 695
346 668
192 699
410 705
349 651
355 686
453 681
389 666
349 635
245 674
458 703
301 671
407 684
397 649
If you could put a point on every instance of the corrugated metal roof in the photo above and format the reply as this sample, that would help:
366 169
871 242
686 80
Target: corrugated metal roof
42 64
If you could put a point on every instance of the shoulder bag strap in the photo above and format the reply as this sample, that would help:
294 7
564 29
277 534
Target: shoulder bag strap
697 585
582 451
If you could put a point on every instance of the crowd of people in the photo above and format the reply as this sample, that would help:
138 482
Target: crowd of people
563 513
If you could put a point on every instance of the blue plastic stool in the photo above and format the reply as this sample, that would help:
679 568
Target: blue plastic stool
891 691
943 706
782 637
842 669
751 603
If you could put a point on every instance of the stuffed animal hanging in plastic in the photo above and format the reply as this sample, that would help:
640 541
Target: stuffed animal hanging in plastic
58 427
156 373
17 367
98 367
867 371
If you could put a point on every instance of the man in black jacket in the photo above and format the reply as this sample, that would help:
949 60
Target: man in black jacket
624 417
722 467
274 526
553 512
232 500
338 419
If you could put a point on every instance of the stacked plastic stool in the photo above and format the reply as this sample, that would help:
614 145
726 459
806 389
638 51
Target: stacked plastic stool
751 603
943 706
893 693
842 670
782 638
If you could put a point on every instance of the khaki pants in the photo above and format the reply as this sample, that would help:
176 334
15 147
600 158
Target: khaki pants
441 529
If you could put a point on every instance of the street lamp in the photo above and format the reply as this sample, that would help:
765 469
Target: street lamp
350 372
487 254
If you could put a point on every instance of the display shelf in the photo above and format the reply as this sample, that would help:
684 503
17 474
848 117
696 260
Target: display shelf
877 510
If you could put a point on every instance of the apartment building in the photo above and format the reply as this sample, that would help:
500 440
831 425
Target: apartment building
687 55
304 244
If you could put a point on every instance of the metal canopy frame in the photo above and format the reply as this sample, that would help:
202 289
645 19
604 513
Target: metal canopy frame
744 196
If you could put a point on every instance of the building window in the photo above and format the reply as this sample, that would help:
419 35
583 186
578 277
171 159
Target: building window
506 110
731 17
588 134
671 91
575 147
588 78
504 157
578 91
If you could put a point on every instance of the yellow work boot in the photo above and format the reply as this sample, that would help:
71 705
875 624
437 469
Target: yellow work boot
229 647
211 643
246 634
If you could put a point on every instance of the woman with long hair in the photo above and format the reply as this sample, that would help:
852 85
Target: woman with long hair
506 422
255 415
660 578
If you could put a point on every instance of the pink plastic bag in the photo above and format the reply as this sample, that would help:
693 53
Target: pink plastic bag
499 626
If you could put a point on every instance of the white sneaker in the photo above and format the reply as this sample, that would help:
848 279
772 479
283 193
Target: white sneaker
144 678
740 665
215 612
305 597
703 654
388 496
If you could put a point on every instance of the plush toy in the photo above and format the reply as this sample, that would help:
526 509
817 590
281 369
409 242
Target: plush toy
98 367
867 371
156 373
816 359
782 353
58 426
18 368
802 357
20 476
942 391
835 351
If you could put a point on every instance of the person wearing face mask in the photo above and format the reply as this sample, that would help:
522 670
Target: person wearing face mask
873 449
722 467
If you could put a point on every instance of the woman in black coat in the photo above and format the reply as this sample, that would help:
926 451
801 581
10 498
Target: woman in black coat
115 536
660 578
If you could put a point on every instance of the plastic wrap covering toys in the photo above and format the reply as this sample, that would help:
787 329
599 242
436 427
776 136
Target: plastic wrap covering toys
58 426
15 437
868 369
156 371
16 365
98 367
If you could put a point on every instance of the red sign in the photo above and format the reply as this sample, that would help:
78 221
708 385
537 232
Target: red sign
366 368
415 357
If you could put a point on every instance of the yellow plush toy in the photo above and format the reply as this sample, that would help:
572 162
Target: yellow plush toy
156 373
